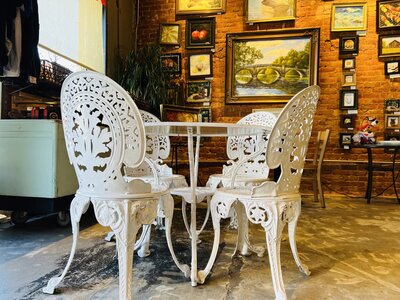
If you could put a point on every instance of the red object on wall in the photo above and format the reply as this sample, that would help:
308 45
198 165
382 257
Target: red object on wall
103 2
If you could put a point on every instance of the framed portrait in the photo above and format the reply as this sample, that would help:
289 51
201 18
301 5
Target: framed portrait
200 33
268 11
392 105
392 67
198 91
349 63
345 139
171 63
392 121
347 121
349 16
348 45
200 65
177 113
387 15
349 78
169 34
271 71
348 99
389 45
190 7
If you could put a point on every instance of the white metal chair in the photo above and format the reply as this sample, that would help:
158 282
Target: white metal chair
273 204
104 134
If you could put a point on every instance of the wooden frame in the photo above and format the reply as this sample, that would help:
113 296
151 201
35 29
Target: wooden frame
348 45
171 63
387 15
347 121
198 91
392 105
263 11
262 76
177 113
348 99
170 34
349 16
345 139
200 33
349 63
389 45
349 78
392 121
205 114
200 65
173 93
188 7
392 67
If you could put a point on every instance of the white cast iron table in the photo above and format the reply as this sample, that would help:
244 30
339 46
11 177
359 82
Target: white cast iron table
199 130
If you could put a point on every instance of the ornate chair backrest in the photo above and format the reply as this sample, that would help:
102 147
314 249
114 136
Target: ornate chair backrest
238 147
288 142
103 132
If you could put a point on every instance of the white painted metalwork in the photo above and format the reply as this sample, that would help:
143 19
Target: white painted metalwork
273 204
104 134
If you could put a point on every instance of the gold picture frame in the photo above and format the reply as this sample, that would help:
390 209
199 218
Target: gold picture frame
349 17
188 7
270 11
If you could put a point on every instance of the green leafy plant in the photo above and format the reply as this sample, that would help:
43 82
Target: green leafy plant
141 74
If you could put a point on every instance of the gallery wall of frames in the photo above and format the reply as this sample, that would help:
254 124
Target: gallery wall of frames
231 57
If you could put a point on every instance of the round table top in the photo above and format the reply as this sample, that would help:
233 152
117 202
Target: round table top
203 129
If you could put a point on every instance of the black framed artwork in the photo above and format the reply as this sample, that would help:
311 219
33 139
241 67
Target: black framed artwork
345 139
348 45
392 68
349 99
171 63
200 33
347 121
349 63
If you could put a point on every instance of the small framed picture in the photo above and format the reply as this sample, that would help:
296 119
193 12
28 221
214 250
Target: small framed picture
349 63
345 139
392 121
349 16
171 63
387 15
173 94
392 136
389 45
348 99
392 67
392 105
349 78
200 65
200 33
348 45
347 121
169 34
198 91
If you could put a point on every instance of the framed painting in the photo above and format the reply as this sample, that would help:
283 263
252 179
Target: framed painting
392 68
348 45
347 121
270 66
349 16
171 63
177 113
389 45
349 99
198 91
268 11
345 139
349 78
392 105
392 121
200 65
173 93
190 7
169 34
387 15
200 33
349 63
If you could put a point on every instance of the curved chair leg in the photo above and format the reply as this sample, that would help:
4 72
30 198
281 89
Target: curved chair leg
168 208
273 229
79 206
292 237
142 245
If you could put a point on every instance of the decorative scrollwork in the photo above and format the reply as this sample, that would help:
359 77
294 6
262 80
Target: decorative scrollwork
257 214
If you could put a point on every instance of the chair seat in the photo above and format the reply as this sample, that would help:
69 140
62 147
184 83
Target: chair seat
186 193
216 180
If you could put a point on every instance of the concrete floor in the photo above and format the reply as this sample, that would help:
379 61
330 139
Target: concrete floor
351 248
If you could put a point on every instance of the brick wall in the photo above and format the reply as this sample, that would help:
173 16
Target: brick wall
372 85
